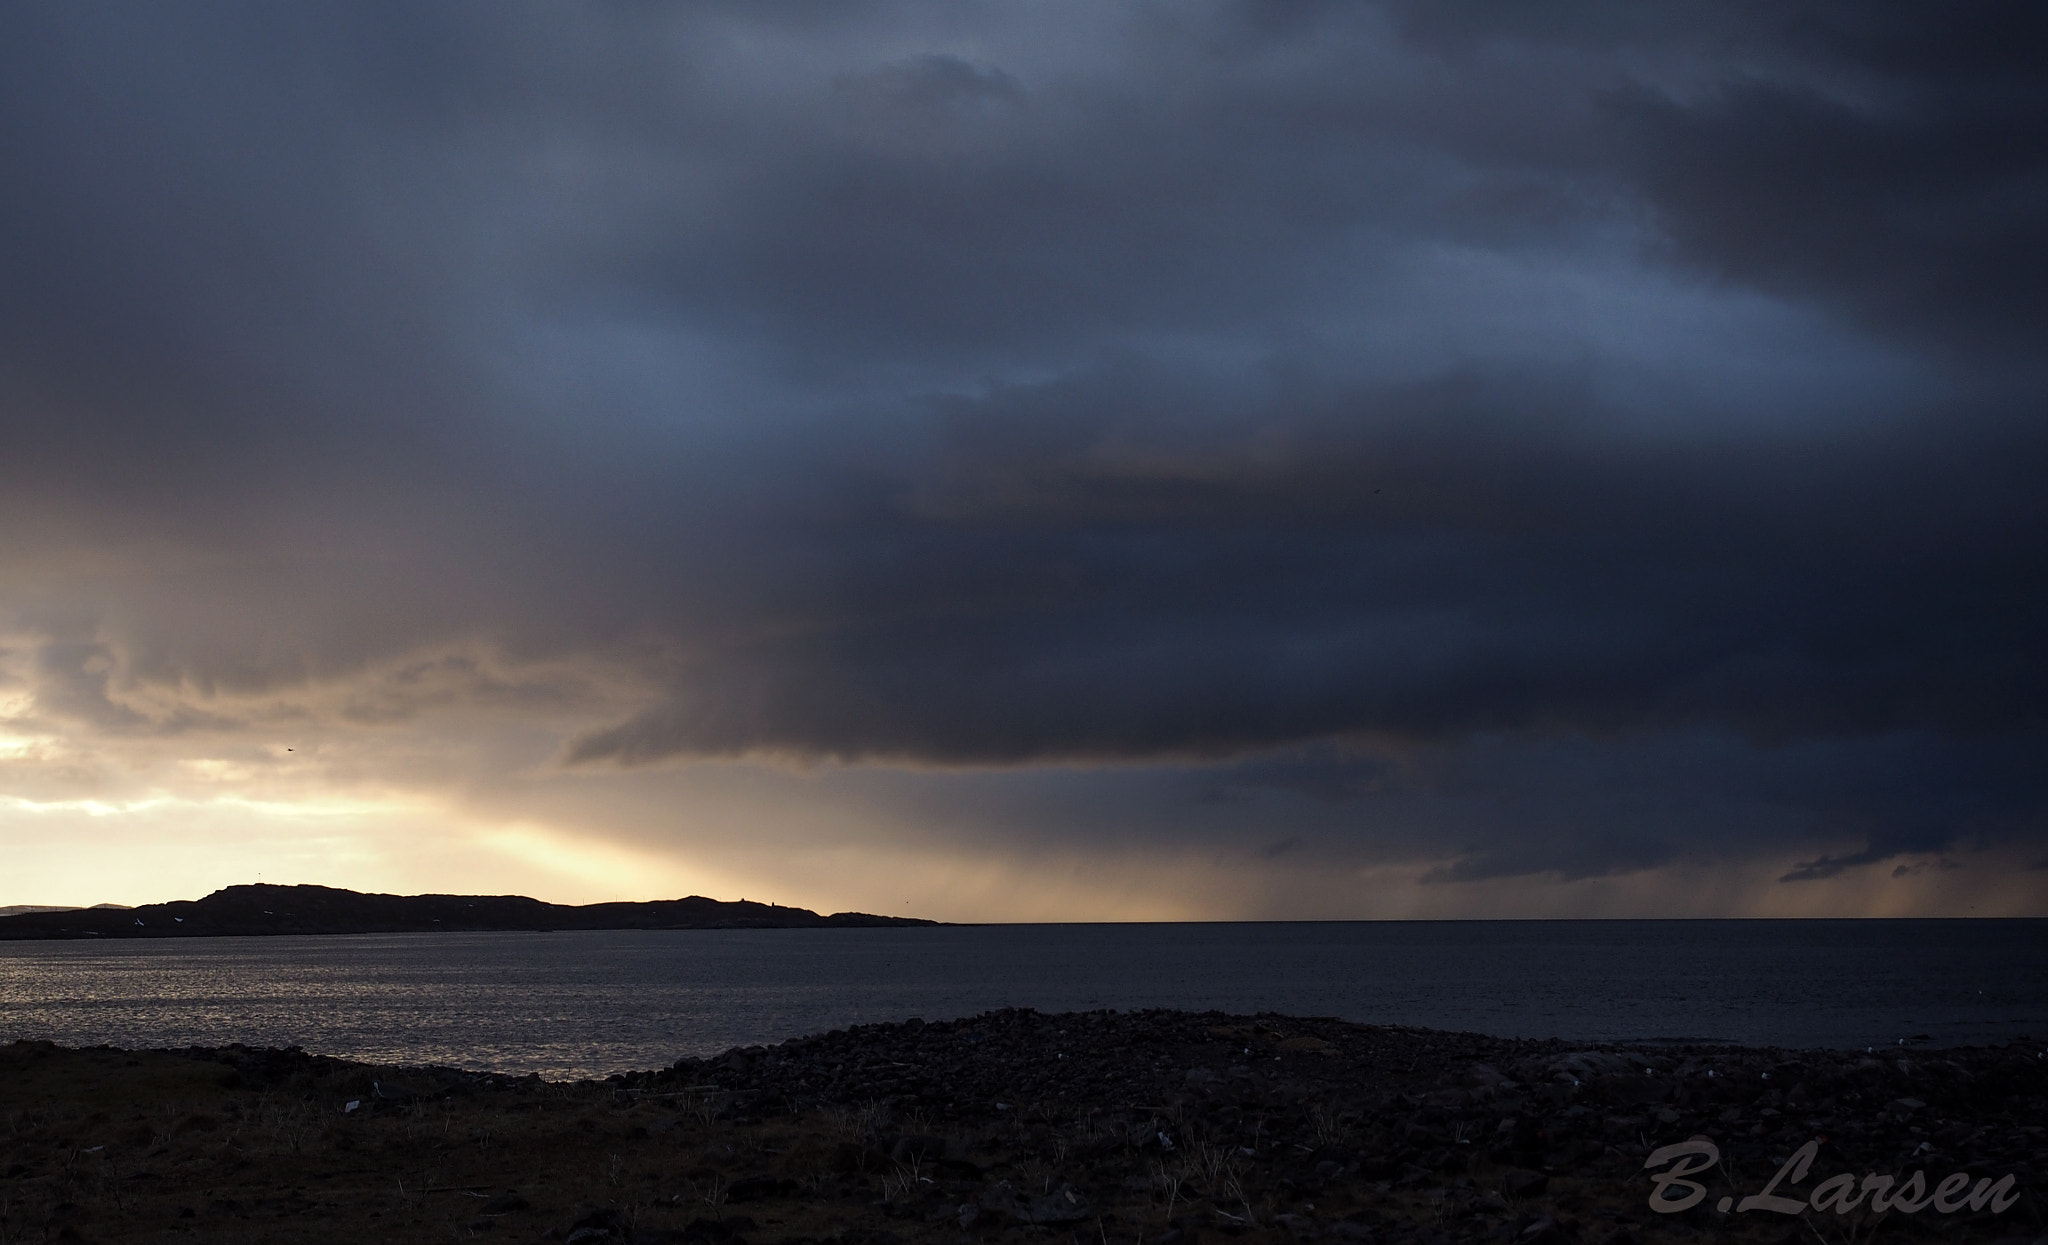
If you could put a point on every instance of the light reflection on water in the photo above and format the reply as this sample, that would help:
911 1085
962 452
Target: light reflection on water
582 1004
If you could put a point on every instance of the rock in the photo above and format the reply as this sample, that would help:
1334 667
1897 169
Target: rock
1519 1183
596 1224
1545 1231
1588 1065
393 1091
1633 1089
1064 1205
1308 1045
1486 1076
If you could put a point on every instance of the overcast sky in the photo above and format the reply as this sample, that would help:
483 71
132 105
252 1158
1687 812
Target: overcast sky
1029 461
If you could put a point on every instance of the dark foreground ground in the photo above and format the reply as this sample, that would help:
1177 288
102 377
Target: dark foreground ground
1158 1127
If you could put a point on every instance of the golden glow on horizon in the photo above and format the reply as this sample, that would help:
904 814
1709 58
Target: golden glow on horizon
161 847
608 870
156 845
393 780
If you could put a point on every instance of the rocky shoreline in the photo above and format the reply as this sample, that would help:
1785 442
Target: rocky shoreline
1161 1127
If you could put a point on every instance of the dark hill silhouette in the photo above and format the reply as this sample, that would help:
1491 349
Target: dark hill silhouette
265 909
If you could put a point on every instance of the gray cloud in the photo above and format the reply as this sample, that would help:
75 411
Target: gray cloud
1276 396
1459 566
1900 179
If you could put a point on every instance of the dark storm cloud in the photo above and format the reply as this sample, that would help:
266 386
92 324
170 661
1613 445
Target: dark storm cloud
967 387
1905 794
1454 566
1885 158
1904 180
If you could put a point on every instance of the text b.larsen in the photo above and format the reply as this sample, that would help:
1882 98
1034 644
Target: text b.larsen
1672 1192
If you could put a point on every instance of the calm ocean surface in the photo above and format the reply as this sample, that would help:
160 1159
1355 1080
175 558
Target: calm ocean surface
580 1004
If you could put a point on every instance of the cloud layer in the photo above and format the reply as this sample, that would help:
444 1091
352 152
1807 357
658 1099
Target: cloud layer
1504 445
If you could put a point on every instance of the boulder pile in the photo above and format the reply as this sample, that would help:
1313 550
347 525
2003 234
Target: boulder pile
1322 1128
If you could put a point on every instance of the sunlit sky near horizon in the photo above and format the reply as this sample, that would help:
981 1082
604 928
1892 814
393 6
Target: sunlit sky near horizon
1053 462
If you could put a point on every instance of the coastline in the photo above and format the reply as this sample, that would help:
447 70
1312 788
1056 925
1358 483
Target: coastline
255 910
1151 1126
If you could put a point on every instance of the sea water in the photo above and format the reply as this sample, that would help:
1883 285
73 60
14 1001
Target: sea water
592 1003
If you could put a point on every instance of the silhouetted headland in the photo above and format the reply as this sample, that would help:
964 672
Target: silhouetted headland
265 909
